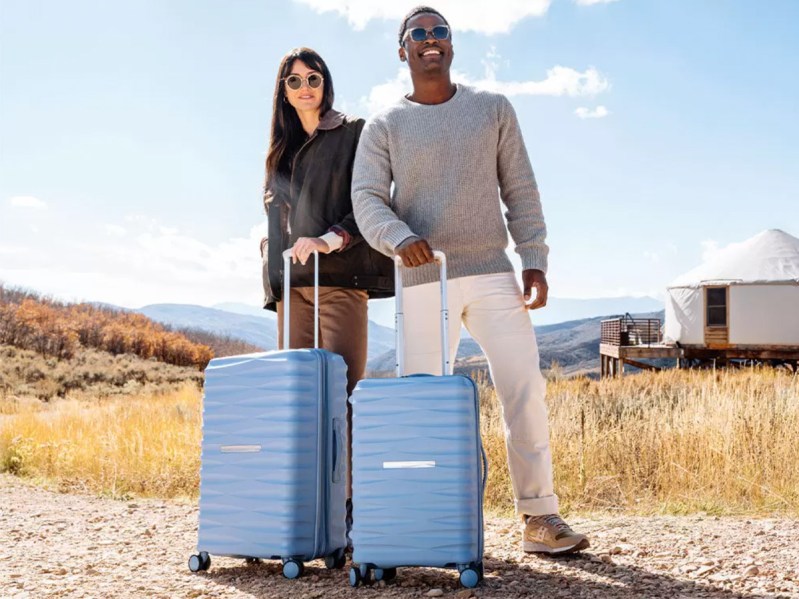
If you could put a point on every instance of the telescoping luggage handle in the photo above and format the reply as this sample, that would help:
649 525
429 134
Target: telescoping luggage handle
400 332
287 296
399 319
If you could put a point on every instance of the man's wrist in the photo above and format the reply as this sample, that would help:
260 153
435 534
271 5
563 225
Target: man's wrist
407 241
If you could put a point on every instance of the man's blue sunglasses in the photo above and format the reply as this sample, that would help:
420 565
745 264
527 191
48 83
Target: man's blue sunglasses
420 34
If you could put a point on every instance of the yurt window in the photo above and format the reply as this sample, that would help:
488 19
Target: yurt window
716 302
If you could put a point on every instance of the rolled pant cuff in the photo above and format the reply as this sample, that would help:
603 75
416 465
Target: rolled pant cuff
537 506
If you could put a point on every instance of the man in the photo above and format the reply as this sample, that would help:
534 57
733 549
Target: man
447 149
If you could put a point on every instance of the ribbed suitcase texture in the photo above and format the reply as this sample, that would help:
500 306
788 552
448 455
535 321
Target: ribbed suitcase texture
418 466
417 472
274 455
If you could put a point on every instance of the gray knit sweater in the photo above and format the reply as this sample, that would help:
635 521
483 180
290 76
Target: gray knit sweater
450 164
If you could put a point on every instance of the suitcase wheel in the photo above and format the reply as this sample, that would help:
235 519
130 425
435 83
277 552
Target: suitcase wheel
201 561
470 577
293 568
387 574
355 576
366 573
360 575
336 560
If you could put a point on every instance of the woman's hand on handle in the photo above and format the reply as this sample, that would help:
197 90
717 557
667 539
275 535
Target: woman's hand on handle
305 246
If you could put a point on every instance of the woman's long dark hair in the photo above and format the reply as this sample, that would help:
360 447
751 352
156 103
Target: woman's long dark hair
287 134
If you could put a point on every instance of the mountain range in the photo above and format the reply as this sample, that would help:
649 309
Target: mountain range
573 345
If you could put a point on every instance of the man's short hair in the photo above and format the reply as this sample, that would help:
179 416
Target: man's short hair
417 11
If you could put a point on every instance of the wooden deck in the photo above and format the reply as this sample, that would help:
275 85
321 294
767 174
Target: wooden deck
612 358
628 340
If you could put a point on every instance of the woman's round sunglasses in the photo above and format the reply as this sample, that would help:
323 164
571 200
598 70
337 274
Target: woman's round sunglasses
419 34
295 82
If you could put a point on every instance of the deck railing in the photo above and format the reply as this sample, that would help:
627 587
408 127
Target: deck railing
627 330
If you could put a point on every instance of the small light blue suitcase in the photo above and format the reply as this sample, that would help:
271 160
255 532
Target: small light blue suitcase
418 468
274 456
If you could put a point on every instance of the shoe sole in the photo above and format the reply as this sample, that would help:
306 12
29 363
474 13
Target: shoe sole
531 547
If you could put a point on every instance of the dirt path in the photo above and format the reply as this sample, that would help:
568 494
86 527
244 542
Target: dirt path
54 545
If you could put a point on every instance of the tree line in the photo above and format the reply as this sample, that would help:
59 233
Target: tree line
57 329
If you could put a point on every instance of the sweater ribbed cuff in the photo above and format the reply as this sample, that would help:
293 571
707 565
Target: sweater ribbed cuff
534 258
395 234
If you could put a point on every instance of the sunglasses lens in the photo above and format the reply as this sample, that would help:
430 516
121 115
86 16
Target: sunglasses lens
418 34
441 32
294 81
314 80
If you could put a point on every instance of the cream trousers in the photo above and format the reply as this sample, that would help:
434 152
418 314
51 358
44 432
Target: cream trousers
492 309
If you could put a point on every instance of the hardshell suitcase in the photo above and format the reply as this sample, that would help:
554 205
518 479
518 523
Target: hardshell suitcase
274 456
418 468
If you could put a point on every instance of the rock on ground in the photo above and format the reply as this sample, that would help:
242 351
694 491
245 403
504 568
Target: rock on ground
55 545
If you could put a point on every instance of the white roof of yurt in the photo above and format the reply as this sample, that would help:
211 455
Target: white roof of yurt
769 257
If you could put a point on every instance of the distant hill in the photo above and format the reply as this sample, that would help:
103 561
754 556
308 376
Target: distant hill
255 326
557 310
573 345
63 330
561 310
257 330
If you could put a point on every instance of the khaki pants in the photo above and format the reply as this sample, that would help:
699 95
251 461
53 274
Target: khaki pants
492 309
343 326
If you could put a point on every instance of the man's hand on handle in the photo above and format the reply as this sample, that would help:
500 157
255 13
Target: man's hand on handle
535 279
415 252
305 246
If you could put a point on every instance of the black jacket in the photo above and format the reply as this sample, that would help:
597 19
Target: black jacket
316 198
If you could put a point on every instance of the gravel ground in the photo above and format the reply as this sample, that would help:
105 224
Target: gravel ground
55 545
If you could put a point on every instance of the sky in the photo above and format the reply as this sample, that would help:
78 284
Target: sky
133 134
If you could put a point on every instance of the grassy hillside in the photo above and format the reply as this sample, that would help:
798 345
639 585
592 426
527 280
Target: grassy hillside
63 331
91 374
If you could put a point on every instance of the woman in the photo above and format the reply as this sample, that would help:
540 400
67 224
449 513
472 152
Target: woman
307 199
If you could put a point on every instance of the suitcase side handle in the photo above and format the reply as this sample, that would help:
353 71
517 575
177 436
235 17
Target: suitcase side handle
399 319
485 467
339 443
287 298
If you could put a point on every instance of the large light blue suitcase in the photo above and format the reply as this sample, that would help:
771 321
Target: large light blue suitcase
418 469
274 457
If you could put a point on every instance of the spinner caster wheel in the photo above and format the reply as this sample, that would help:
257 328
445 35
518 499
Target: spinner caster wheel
387 574
355 576
470 578
336 561
200 562
366 573
293 568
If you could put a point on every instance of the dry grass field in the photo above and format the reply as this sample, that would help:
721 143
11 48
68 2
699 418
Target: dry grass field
146 445
673 442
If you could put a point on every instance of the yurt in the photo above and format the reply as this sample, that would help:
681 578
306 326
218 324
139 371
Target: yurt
745 296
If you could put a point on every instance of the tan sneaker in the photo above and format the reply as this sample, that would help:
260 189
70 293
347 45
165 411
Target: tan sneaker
550 534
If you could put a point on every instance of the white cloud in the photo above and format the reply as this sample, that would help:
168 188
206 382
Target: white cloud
385 94
560 81
27 202
586 113
592 2
710 249
141 263
115 230
498 16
